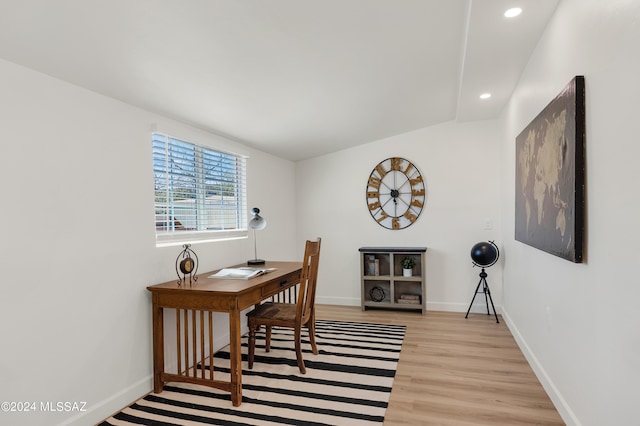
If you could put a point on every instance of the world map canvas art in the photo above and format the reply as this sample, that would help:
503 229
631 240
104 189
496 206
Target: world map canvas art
550 176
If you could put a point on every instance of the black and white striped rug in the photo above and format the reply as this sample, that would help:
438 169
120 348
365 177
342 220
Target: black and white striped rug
347 383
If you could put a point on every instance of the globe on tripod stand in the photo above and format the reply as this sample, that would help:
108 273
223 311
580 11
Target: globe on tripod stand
484 255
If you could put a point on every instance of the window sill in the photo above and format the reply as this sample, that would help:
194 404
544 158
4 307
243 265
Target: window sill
179 239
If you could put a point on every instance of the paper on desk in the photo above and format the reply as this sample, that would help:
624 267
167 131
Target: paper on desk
240 273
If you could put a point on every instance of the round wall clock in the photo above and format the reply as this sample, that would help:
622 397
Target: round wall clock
395 193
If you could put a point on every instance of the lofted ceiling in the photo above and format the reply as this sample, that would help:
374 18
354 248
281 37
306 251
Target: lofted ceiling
295 78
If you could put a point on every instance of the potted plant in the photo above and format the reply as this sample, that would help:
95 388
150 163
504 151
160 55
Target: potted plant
407 266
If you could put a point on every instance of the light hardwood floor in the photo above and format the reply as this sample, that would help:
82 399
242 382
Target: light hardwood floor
457 371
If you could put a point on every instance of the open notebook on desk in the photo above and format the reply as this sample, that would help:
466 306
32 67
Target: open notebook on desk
243 273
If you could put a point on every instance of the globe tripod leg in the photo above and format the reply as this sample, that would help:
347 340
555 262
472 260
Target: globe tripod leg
474 298
487 292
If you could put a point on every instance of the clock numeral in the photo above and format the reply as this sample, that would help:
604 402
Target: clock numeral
381 171
417 192
409 166
395 163
395 223
383 216
372 195
374 182
412 217
375 205
415 181
417 203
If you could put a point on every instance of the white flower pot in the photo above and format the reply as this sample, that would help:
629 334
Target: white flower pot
407 272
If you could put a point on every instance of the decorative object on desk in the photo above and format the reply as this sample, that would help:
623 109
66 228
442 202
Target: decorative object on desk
395 193
276 393
188 266
377 294
407 266
256 223
550 176
484 255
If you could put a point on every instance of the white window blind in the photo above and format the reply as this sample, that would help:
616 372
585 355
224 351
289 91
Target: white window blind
200 193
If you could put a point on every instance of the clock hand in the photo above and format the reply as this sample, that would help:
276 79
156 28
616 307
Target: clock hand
388 187
386 202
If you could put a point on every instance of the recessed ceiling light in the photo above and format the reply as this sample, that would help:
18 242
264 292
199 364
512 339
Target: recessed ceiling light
485 96
513 12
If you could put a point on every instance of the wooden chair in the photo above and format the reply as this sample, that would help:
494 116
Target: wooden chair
292 315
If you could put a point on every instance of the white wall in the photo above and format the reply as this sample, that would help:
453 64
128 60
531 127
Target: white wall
460 165
74 309
578 323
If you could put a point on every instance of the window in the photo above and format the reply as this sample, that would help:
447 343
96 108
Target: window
200 193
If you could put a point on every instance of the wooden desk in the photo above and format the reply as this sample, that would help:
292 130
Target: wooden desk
194 328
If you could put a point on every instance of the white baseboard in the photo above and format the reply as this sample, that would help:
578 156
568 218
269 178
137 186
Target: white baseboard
560 403
478 308
431 306
111 405
342 301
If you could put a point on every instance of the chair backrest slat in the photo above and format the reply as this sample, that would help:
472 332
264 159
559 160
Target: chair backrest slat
308 280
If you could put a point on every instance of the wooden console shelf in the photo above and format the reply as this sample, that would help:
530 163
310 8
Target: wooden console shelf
382 281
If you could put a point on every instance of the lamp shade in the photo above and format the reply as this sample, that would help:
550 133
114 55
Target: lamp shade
257 222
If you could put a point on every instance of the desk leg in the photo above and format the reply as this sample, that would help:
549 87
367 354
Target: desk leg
158 346
235 353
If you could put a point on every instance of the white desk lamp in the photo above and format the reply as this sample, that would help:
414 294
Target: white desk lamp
256 223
